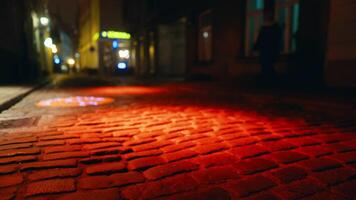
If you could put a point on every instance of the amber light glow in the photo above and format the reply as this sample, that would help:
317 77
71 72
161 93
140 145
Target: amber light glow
76 101
122 90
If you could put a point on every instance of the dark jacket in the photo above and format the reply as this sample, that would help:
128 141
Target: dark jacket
269 42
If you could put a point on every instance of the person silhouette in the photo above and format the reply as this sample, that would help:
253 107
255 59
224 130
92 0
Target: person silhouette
268 44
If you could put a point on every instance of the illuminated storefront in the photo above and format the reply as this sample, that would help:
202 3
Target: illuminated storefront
114 51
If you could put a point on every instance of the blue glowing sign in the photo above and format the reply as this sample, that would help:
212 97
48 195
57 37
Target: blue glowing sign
122 66
115 44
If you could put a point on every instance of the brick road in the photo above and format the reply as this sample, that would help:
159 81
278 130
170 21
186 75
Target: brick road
169 142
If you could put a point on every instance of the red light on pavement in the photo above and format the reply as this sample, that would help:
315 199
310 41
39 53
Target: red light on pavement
76 101
122 90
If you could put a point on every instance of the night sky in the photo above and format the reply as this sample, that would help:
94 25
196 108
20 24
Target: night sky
66 11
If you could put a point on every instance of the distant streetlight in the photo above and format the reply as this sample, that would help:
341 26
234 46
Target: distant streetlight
48 42
205 35
44 21
54 48
70 61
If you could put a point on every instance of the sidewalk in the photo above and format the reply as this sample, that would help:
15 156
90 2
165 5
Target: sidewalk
10 95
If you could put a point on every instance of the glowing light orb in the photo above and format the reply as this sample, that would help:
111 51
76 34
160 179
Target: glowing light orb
76 101
70 61
44 21
115 44
48 42
124 54
205 34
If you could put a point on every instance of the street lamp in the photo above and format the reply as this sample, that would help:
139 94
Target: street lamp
48 42
70 61
54 48
44 21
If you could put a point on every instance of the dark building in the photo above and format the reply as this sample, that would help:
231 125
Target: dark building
216 38
22 53
13 47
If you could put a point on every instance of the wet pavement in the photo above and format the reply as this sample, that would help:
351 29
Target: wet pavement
173 141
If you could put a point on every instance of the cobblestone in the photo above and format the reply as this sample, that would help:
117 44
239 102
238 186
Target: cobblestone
54 173
169 169
255 165
8 193
50 187
181 183
210 148
287 157
321 164
248 152
59 149
143 163
300 189
289 174
336 176
50 143
209 193
95 182
179 155
18 141
278 146
215 159
348 158
105 168
15 146
10 180
119 179
110 194
135 155
17 159
176 145
66 155
7 170
252 185
216 174
316 151
18 152
49 164
347 189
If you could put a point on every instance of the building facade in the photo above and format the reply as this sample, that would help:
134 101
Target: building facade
104 44
216 38
24 58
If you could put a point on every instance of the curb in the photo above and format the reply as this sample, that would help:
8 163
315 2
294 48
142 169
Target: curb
8 104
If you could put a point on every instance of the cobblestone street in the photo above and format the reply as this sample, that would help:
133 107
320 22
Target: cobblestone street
173 142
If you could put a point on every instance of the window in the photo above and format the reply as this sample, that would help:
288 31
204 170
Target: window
205 37
286 14
253 24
